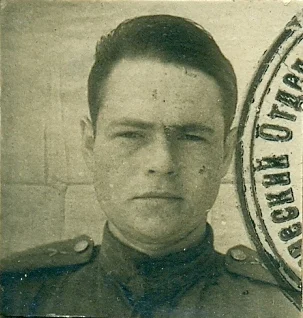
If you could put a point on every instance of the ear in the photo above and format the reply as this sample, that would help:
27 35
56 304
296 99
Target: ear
88 142
229 147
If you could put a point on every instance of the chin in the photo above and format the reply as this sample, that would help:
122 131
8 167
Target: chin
162 235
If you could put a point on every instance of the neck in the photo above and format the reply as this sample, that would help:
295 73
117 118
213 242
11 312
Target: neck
161 249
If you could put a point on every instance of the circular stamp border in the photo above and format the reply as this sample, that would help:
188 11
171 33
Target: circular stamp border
290 36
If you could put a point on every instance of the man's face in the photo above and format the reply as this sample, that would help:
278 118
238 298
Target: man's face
159 152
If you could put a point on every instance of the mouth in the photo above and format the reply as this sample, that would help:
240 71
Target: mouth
158 195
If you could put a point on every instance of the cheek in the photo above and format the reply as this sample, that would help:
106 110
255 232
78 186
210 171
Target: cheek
203 164
205 187
201 181
204 176
104 176
112 177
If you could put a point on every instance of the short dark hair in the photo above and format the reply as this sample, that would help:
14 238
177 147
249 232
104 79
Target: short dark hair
170 39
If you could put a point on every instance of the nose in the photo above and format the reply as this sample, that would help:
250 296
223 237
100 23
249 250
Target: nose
161 159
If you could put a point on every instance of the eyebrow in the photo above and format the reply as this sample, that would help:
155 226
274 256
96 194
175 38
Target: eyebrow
192 127
131 123
135 123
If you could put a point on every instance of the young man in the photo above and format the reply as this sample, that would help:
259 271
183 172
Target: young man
162 99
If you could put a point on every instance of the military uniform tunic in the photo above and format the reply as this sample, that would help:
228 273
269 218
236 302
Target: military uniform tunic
76 278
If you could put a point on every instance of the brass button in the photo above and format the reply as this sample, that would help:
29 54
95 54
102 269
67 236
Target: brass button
238 254
81 246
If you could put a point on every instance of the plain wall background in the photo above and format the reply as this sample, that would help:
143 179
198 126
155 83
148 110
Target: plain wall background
47 51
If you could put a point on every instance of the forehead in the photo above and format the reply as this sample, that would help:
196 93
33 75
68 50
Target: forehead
160 92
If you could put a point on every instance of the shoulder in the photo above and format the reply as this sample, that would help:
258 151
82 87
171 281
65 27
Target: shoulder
245 262
23 274
241 261
58 254
248 281
242 287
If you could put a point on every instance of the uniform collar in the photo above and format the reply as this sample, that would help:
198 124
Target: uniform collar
156 280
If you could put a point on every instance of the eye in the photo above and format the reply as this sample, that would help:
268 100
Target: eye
130 134
191 137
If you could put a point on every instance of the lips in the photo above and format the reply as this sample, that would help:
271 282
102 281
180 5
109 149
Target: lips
159 195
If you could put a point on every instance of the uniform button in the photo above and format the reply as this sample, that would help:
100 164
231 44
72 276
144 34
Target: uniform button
238 254
81 246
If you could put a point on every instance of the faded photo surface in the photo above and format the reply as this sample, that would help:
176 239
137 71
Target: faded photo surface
154 170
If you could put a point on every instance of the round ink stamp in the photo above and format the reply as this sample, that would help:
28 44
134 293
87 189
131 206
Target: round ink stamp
269 158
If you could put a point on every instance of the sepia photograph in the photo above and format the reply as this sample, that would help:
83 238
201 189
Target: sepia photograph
151 158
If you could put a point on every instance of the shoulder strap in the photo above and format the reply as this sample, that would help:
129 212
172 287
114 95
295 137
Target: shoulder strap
69 252
244 261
